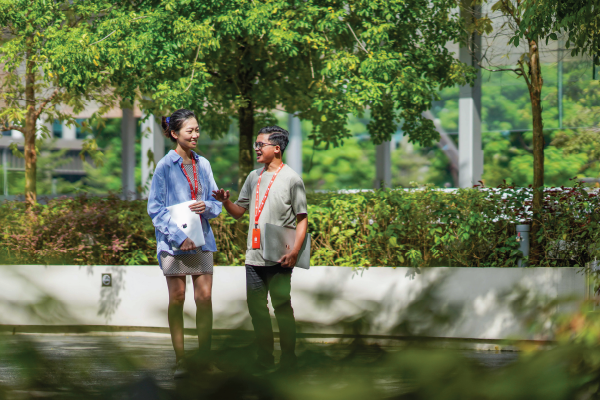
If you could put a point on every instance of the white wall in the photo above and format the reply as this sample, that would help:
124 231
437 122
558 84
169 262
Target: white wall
481 297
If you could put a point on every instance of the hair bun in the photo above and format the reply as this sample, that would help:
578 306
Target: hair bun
175 121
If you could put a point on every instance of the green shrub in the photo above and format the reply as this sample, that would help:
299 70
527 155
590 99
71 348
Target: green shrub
420 227
417 227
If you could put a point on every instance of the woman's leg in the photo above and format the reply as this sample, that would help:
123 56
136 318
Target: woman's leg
176 285
204 314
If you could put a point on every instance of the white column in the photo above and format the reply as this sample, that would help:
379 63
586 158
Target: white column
470 150
153 149
293 152
5 170
383 165
128 154
68 132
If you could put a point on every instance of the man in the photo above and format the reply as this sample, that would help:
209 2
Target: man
281 201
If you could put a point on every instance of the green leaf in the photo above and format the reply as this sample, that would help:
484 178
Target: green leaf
15 150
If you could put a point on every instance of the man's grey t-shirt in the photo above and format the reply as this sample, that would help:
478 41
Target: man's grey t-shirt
287 198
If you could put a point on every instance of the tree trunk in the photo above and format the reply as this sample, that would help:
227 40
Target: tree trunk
30 131
246 154
535 92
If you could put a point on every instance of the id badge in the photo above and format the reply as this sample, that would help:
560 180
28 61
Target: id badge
256 238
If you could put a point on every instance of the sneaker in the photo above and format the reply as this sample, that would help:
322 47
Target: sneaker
180 371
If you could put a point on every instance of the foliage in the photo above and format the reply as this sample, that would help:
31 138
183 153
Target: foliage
351 370
506 124
528 67
408 367
107 178
350 166
419 227
44 73
570 152
583 142
98 179
346 167
323 60
578 19
49 160
82 230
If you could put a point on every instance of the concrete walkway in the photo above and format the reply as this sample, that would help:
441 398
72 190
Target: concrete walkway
98 362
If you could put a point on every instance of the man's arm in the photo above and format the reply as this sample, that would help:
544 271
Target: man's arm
290 259
233 209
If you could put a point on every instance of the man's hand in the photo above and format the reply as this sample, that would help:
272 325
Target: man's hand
233 209
289 260
187 245
221 195
198 207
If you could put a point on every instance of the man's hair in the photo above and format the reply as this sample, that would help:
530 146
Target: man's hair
277 135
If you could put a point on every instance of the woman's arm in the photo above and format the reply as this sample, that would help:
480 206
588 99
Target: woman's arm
157 209
213 208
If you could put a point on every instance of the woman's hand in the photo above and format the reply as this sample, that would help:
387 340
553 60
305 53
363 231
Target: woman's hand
187 245
198 207
221 195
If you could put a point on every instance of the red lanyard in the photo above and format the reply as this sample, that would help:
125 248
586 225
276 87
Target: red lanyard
258 209
193 189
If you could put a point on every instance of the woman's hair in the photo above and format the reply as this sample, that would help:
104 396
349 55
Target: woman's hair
175 122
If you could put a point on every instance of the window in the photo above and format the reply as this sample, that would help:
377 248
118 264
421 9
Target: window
57 129
79 132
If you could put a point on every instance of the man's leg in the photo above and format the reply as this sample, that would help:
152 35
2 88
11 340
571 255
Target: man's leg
280 288
257 288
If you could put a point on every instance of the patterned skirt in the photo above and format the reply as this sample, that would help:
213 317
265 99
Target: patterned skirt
187 264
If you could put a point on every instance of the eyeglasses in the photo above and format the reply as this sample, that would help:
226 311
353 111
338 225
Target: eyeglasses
260 145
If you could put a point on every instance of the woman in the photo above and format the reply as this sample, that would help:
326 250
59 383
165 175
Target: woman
181 176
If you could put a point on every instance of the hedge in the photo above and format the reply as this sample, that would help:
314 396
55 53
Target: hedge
417 227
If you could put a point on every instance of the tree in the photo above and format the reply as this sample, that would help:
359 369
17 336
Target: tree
535 22
578 19
529 68
321 59
584 142
42 76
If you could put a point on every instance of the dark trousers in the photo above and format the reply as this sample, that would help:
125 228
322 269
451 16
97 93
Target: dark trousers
276 280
